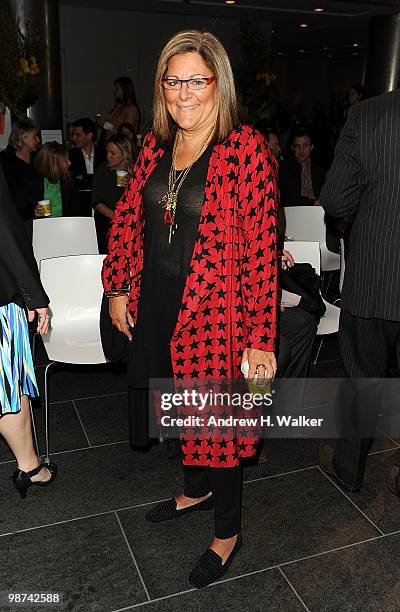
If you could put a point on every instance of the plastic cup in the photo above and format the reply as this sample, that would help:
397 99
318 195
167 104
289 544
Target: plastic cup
122 177
46 207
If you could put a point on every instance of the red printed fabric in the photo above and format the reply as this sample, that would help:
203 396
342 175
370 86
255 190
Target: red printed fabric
229 301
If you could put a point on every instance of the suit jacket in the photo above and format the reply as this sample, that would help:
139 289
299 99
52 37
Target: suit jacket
290 182
230 292
19 276
364 181
78 166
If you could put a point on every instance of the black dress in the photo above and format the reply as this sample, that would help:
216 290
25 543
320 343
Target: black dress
165 268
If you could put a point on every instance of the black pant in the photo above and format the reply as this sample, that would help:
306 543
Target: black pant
366 346
225 483
226 487
297 331
138 416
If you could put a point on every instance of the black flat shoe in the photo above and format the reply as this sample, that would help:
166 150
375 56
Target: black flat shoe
166 511
22 480
209 568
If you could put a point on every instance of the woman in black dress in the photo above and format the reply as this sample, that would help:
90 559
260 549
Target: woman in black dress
20 288
191 267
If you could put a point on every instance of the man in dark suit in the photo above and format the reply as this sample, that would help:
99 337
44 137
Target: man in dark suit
85 157
364 181
300 178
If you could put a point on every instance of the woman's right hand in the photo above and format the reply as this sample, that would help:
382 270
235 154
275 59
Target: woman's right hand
119 314
39 212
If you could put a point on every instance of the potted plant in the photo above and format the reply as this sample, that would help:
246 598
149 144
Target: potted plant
20 81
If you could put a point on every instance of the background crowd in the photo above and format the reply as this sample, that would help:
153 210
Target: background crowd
79 176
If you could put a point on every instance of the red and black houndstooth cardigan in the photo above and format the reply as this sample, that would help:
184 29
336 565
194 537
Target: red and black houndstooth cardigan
229 301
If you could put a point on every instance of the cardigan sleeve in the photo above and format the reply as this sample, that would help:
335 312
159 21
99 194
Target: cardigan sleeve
117 271
258 197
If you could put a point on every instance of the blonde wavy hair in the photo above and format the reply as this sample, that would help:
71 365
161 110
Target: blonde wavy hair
216 59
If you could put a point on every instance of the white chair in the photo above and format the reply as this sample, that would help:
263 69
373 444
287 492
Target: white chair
308 223
308 252
60 236
74 287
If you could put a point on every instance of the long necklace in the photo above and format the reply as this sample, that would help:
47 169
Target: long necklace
169 200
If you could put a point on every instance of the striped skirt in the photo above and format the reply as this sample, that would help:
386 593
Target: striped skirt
17 376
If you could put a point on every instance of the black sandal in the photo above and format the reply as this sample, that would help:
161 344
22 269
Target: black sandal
167 511
22 480
209 568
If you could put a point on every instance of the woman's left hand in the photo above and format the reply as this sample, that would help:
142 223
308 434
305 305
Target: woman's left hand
43 319
261 362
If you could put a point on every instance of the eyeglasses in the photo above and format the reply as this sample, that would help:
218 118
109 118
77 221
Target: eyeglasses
195 84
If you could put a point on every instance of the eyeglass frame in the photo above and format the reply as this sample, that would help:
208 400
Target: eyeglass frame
208 80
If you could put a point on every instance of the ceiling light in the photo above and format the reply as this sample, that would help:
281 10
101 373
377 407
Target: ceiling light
279 53
355 45
355 53
301 25
330 55
319 9
301 50
326 48
230 1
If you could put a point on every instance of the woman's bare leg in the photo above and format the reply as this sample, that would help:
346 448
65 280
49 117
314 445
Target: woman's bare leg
17 430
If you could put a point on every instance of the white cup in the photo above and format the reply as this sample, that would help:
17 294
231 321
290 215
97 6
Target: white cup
46 207
122 176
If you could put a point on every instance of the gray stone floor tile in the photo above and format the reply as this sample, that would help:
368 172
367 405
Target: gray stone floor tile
89 482
284 518
87 561
105 419
363 578
256 593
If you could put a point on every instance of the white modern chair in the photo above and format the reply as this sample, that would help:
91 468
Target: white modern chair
308 223
74 287
309 252
61 236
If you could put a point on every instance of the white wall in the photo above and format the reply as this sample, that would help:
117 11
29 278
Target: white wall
100 45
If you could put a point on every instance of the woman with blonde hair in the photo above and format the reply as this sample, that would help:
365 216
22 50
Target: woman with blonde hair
191 272
52 164
109 181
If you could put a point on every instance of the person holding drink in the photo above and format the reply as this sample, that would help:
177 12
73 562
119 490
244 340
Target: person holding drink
191 270
109 182
59 193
